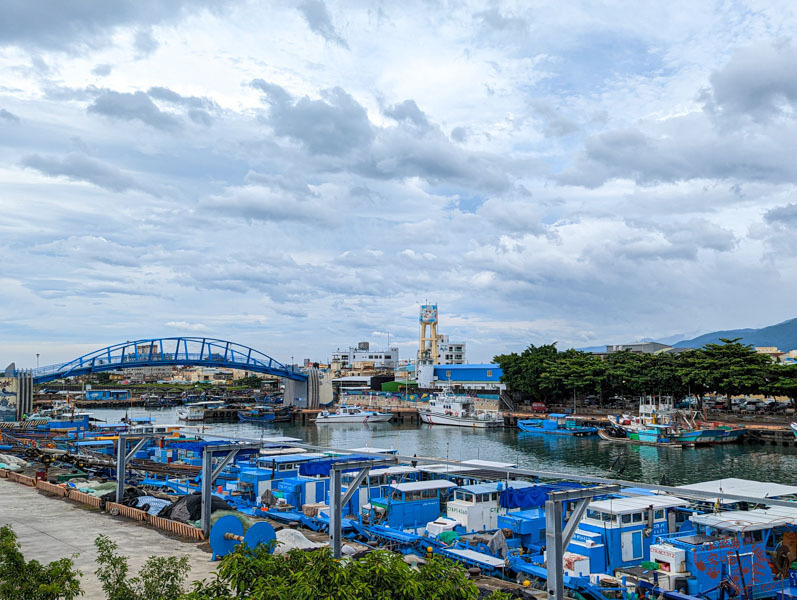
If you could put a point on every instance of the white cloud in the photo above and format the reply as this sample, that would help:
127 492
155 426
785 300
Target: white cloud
300 176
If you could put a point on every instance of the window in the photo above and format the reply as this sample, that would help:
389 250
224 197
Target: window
593 514
489 373
659 514
626 519
637 517
448 373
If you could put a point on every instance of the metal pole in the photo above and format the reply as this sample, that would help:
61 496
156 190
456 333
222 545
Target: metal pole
121 464
207 489
335 513
554 550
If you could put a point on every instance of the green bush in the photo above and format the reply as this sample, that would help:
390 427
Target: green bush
23 580
160 578
316 575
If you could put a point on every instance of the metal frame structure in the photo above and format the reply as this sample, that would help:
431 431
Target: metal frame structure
210 473
123 456
182 351
336 502
557 540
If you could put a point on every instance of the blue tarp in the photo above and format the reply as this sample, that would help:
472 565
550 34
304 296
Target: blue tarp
323 467
531 496
200 446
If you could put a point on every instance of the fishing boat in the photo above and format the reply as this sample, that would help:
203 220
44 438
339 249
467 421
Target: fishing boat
656 435
794 428
745 552
447 408
259 414
353 414
556 424
196 411
681 426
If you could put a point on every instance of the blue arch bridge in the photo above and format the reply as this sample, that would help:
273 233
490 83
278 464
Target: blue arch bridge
179 351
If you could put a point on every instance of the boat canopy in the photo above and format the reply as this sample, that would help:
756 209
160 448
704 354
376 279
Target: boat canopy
620 506
415 486
748 520
740 487
558 415
494 486
490 463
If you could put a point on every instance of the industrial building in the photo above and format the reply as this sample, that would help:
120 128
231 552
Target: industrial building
468 377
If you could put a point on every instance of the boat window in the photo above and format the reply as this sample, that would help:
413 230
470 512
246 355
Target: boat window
626 518
594 514
758 536
286 467
494 495
607 517
637 517
465 497
426 494
659 514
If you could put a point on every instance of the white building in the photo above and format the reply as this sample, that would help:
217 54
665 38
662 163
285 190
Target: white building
450 353
382 359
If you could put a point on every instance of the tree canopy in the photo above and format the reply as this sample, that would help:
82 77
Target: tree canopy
543 373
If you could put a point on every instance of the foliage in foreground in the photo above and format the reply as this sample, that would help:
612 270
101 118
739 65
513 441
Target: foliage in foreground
316 575
23 580
160 577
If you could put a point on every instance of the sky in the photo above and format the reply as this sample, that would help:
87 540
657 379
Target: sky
301 176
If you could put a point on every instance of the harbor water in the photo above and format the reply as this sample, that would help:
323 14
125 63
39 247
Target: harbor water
584 456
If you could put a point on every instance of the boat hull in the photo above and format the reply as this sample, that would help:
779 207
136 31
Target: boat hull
641 442
364 419
436 419
246 418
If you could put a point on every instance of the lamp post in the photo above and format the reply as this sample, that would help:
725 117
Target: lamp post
37 360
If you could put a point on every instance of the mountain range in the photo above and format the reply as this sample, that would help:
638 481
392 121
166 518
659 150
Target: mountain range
783 336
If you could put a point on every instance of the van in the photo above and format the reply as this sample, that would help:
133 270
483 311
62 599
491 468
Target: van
538 407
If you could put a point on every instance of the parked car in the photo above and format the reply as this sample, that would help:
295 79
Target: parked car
753 405
775 407
538 407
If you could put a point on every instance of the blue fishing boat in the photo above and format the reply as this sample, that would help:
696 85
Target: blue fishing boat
259 414
556 424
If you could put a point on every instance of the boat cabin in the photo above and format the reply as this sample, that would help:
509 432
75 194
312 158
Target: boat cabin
749 550
375 483
618 532
476 507
408 506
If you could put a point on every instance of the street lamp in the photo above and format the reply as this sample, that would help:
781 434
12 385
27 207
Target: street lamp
37 360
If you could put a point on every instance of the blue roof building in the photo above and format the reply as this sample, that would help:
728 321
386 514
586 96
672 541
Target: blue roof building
469 376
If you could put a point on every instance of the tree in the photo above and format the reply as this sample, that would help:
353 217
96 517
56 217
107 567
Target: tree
783 381
734 368
256 574
160 577
251 382
30 580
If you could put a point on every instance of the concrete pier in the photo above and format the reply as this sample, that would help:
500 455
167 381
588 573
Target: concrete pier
49 529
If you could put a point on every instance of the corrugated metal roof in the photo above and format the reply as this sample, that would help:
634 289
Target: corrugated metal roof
742 487
619 506
749 520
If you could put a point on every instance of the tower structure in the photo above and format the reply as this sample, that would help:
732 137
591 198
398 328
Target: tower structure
427 347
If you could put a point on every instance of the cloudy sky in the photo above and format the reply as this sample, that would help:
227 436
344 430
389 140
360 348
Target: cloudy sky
299 176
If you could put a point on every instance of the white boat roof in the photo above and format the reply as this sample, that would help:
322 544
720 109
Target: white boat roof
620 506
279 439
414 486
374 450
742 487
436 468
748 520
490 463
397 470
473 555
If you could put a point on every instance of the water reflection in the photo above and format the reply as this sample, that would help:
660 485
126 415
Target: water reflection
586 456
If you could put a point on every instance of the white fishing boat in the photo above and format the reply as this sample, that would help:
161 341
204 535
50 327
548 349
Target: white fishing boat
448 408
196 410
353 414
